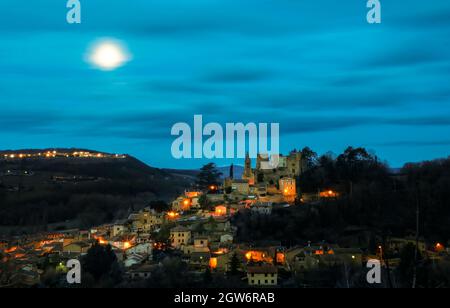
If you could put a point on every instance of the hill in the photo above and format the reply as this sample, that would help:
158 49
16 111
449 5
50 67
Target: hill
57 188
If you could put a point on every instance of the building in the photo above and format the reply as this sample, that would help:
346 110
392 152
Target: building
135 259
220 210
180 236
288 188
290 166
142 271
146 221
248 174
181 204
194 197
118 228
123 242
226 238
261 189
144 248
77 248
201 242
201 259
241 187
262 275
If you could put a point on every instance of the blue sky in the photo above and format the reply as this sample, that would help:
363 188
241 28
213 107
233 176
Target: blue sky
317 67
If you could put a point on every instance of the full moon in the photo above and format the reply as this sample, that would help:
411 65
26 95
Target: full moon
108 54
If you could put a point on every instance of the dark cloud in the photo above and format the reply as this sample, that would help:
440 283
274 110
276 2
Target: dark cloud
182 87
239 75
414 143
440 18
28 122
406 57
323 124
420 121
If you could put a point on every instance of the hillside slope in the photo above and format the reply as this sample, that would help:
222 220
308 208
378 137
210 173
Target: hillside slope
41 192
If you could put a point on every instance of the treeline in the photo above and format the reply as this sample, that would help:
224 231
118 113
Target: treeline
375 201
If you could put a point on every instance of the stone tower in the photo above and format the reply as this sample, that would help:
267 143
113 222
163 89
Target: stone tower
248 167
248 172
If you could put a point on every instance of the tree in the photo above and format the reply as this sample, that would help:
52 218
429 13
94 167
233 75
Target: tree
260 177
234 265
99 261
204 202
159 206
309 157
407 263
207 276
208 175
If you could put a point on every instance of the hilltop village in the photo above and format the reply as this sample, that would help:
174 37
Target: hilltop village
197 234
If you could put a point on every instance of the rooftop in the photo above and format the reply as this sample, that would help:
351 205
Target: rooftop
262 269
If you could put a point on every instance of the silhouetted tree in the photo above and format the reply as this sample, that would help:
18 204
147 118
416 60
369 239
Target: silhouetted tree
234 265
208 175
99 261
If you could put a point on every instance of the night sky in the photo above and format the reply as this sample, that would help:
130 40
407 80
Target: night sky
317 67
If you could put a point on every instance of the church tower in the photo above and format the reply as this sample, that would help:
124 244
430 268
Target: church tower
248 172
248 166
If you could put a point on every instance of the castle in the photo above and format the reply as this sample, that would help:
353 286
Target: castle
290 166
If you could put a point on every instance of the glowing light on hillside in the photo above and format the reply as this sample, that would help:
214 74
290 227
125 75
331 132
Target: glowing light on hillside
172 215
213 263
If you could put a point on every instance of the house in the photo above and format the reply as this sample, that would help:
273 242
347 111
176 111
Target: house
201 242
123 242
261 189
181 204
189 249
145 221
134 259
180 236
220 210
200 258
77 248
262 275
142 271
220 261
144 248
55 247
27 275
288 188
226 238
118 228
143 238
397 244
241 187
194 197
